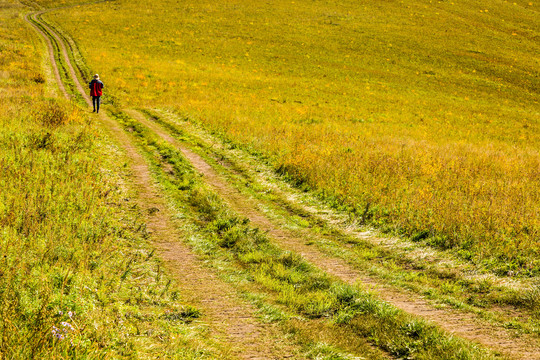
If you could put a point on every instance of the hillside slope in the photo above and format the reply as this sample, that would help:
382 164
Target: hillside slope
423 115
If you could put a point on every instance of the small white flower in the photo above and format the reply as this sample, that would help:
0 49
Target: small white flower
56 333
67 326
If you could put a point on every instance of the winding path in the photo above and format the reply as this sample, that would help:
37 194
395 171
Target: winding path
232 320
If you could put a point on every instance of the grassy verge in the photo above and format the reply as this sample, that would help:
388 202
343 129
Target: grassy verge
285 279
77 277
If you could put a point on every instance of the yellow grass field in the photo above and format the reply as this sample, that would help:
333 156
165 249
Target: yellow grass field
167 226
421 116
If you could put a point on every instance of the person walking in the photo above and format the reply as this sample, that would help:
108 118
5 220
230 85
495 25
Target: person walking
96 92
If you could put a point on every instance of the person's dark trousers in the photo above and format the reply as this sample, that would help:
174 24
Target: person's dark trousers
96 100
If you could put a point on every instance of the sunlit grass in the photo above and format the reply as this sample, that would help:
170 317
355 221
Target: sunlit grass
423 113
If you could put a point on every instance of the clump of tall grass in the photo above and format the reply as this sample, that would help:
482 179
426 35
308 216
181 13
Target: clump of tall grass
55 112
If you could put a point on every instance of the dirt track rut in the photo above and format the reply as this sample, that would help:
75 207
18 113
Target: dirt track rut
231 320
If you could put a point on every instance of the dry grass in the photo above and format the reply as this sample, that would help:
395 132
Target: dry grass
426 111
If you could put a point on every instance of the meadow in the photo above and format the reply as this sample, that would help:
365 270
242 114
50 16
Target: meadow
420 117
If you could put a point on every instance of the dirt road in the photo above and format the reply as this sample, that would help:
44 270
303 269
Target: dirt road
465 325
231 318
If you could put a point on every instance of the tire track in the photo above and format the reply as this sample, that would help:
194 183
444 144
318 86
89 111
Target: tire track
465 325
30 18
232 320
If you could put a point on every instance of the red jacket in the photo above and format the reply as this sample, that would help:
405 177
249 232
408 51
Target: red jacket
95 87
